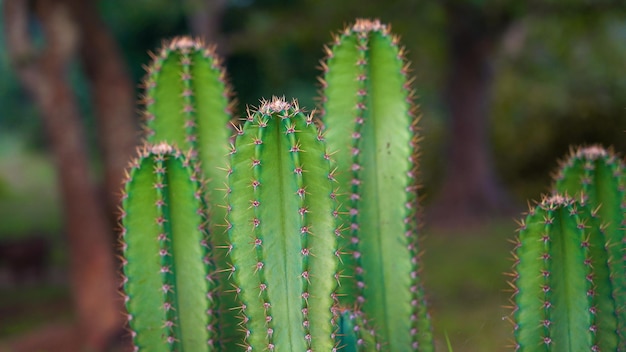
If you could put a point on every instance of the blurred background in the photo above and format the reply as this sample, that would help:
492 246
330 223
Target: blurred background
505 89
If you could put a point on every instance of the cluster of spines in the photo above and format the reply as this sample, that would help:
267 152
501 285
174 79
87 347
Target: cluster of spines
554 298
596 176
168 283
282 230
354 76
187 104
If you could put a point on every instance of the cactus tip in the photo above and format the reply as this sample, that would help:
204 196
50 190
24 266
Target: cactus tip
555 200
161 148
275 105
183 42
592 152
364 25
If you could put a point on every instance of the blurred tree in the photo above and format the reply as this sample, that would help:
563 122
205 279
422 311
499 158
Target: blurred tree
205 20
559 84
112 95
71 27
471 189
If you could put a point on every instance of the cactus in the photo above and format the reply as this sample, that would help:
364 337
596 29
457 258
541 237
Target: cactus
282 230
187 105
596 175
168 272
370 122
354 333
555 299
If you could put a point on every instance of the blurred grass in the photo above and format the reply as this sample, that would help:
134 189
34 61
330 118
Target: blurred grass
26 308
29 206
465 284
28 191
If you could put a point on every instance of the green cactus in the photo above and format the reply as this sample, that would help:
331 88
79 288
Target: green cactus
187 105
596 176
282 229
555 299
354 333
168 271
370 122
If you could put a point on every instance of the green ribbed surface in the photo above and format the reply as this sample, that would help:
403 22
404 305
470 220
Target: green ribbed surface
552 279
354 334
596 176
167 266
283 230
370 125
187 105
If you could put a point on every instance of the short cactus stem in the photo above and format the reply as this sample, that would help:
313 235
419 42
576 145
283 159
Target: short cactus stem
370 121
553 279
282 229
168 281
596 176
187 104
354 333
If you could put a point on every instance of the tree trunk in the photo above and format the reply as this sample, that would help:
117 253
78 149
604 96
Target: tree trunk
205 19
44 75
471 190
113 97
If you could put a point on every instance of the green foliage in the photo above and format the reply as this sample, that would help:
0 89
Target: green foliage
370 121
555 69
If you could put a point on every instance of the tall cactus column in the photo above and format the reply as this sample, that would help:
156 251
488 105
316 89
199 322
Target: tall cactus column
370 120
187 105
167 268
282 228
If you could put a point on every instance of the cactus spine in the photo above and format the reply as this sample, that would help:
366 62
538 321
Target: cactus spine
282 230
369 115
596 176
553 279
168 283
187 105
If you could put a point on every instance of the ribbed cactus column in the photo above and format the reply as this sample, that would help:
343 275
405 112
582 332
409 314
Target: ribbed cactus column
282 229
187 105
596 175
167 268
553 279
370 122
